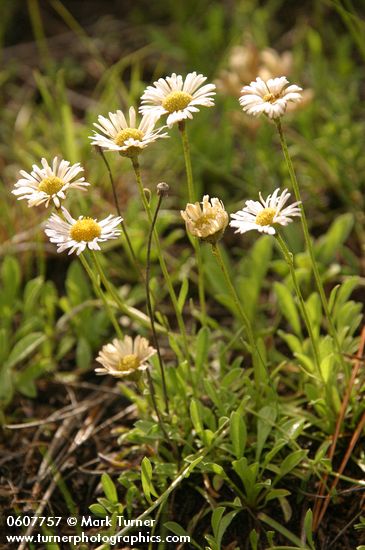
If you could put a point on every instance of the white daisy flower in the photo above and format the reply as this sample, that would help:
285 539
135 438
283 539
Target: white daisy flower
79 234
270 97
124 357
177 98
207 220
264 215
49 183
126 137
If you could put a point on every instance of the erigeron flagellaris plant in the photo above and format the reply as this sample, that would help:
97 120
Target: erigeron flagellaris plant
197 419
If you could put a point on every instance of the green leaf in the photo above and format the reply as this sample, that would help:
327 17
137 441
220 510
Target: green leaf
314 310
192 465
180 531
293 341
24 348
4 344
305 361
333 296
32 292
336 235
98 510
291 461
109 488
254 539
6 385
238 432
183 294
202 348
83 353
220 523
254 267
280 529
276 494
216 518
326 366
25 380
10 276
196 415
344 292
267 417
77 284
287 306
146 478
308 528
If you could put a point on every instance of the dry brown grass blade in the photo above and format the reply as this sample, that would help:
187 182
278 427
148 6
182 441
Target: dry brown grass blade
321 505
344 462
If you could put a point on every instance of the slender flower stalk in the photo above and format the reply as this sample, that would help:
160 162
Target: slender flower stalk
308 242
260 372
100 293
187 158
289 260
154 403
133 256
164 269
192 199
161 192
130 311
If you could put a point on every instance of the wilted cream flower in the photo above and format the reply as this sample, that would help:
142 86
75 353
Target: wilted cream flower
48 183
207 220
176 97
124 357
126 137
82 233
264 215
270 97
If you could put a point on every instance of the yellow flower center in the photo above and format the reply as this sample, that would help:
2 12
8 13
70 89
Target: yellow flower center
128 133
85 230
129 362
51 185
266 217
270 98
204 220
176 101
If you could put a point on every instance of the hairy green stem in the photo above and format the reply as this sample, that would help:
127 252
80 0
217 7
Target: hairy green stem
154 403
100 293
308 243
131 312
149 304
164 269
289 260
105 282
116 202
260 371
192 199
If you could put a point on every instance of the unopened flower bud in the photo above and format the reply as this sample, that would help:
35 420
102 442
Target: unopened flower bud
162 189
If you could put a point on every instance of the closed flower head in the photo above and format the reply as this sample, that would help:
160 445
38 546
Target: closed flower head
77 235
270 97
206 220
177 98
49 183
126 137
264 215
124 357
